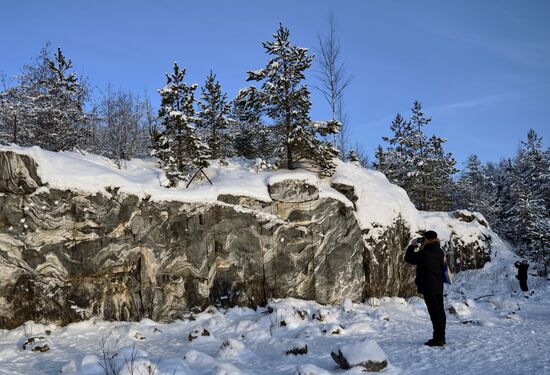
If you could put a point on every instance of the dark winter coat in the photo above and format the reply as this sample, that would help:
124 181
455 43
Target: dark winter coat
429 261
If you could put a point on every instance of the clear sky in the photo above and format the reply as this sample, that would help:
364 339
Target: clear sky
481 68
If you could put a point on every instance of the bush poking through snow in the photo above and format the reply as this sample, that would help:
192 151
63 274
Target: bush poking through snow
196 333
230 348
365 353
374 302
322 315
139 336
36 344
297 350
302 314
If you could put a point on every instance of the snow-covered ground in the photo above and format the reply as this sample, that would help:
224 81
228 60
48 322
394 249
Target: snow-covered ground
494 329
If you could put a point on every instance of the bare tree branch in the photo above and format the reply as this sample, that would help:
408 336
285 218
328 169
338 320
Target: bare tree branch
332 73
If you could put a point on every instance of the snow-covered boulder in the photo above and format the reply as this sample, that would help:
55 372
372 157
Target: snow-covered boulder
293 188
367 354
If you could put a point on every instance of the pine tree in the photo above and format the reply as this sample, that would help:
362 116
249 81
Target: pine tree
528 211
286 100
214 117
417 163
438 168
46 107
392 161
13 114
250 137
58 115
474 188
178 146
352 156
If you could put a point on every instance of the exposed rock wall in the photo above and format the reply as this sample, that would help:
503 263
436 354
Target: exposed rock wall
68 255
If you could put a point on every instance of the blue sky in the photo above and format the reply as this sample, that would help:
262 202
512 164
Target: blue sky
481 68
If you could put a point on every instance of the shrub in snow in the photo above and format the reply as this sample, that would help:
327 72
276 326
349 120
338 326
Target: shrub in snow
230 347
196 333
373 302
333 329
322 315
36 344
365 353
298 350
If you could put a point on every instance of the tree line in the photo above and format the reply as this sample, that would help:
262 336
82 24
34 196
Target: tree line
513 194
48 105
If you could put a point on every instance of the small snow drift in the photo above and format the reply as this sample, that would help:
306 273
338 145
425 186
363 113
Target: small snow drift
367 354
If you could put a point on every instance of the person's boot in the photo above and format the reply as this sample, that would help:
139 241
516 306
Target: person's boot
434 342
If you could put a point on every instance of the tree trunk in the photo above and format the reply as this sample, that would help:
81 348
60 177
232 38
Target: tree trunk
14 129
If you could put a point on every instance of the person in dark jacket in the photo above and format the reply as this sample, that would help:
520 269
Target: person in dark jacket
429 261
522 267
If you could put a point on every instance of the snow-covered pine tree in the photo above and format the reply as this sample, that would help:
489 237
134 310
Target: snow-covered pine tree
352 156
534 163
415 146
529 214
214 117
13 113
438 167
391 161
251 138
474 188
178 145
46 107
286 100
58 113
505 186
417 163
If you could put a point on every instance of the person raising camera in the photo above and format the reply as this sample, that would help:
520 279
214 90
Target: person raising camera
429 261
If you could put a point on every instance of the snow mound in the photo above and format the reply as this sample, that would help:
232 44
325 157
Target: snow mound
366 354
363 351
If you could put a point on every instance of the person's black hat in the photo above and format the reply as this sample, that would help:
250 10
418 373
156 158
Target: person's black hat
430 235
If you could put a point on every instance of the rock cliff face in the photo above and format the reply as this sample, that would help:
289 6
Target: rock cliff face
68 255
